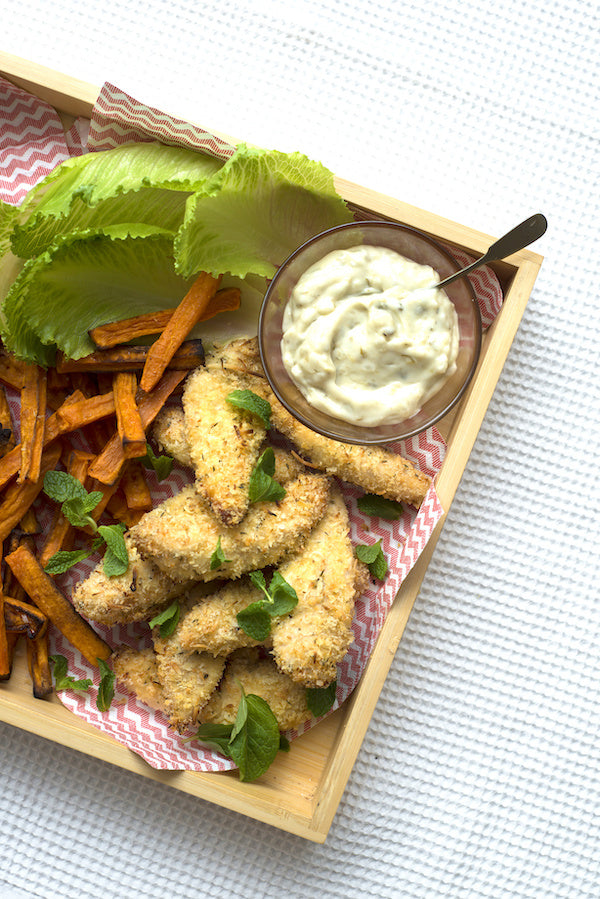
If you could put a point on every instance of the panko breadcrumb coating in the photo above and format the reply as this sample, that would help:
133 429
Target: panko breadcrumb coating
316 635
137 595
137 671
169 432
211 625
224 442
260 676
187 678
181 534
374 469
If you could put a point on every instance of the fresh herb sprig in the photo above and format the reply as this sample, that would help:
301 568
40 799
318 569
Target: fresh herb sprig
252 741
161 465
65 681
262 486
76 506
217 558
167 620
373 557
371 504
320 699
280 599
249 401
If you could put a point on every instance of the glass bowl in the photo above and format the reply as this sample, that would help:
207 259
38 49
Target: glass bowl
414 245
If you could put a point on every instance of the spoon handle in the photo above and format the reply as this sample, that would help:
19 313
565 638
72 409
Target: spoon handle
517 239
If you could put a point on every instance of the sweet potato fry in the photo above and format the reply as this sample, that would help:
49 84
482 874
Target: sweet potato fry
12 371
33 422
61 532
129 422
29 523
7 434
108 465
78 414
112 334
56 606
118 509
5 659
39 666
135 488
9 465
185 316
19 497
7 651
131 358
23 617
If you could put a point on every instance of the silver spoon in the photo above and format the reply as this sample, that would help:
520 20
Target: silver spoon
517 239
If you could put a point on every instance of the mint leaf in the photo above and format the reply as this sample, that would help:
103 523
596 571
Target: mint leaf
75 511
65 681
320 699
242 715
262 486
371 504
162 465
215 736
106 690
255 742
251 402
284 743
255 621
166 621
116 558
218 557
258 579
62 560
61 486
283 596
372 555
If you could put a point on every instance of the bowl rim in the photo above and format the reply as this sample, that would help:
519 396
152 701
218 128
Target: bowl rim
379 224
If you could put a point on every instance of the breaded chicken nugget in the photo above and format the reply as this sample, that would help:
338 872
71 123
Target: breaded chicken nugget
187 678
261 677
316 635
211 624
137 671
224 442
182 534
137 595
169 432
374 469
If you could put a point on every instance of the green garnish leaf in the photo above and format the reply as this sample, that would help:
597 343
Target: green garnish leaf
106 690
371 504
255 738
262 486
218 557
65 681
167 620
255 621
62 560
116 558
61 486
215 736
161 465
284 743
280 599
251 402
372 555
320 699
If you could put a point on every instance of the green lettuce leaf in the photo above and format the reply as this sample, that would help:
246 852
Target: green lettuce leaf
145 183
256 210
85 280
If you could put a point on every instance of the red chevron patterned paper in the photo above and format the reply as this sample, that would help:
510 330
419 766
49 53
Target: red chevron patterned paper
116 119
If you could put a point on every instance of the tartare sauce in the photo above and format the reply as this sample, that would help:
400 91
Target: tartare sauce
366 336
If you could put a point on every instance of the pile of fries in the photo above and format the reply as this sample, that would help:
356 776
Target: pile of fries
89 416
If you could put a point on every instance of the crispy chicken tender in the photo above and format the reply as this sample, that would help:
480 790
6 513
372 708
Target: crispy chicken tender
224 442
137 671
261 677
181 534
169 432
374 469
211 625
137 595
188 679
316 635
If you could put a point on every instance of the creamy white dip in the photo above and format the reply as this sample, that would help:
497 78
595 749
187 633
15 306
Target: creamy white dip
367 338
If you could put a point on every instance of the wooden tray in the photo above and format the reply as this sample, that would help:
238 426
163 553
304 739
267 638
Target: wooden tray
301 791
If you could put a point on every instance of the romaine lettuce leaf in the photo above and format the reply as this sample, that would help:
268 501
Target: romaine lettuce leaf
255 211
85 280
144 182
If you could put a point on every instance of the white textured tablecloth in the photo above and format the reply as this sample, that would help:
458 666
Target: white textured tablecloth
480 772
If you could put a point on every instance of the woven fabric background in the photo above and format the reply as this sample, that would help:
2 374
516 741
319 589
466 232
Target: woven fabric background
480 772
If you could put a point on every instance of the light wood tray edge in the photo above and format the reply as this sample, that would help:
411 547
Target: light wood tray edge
302 791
